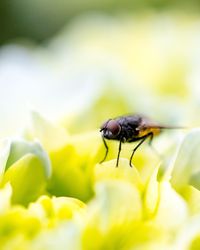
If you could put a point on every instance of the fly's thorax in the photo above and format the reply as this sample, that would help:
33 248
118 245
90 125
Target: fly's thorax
128 132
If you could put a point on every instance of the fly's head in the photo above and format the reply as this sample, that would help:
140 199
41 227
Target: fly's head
110 129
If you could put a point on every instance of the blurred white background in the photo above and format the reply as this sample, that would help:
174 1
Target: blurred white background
153 59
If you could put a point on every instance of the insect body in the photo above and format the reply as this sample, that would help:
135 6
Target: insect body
129 128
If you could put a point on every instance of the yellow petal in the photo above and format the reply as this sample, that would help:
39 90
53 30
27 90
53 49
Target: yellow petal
172 210
123 172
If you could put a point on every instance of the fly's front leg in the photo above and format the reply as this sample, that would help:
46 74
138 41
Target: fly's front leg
106 146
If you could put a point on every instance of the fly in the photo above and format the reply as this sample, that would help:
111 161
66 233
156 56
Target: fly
130 128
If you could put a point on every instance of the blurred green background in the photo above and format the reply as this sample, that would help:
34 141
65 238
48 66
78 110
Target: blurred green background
41 19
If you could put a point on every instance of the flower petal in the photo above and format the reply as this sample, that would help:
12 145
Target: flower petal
5 197
172 210
108 171
186 165
15 149
52 137
112 216
27 177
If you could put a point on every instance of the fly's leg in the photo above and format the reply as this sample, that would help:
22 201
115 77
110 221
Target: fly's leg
119 150
137 146
150 139
152 147
106 146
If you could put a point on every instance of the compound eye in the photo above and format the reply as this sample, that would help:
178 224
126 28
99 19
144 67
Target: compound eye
113 127
104 125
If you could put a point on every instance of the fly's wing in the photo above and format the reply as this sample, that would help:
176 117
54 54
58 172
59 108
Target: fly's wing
148 126
147 123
